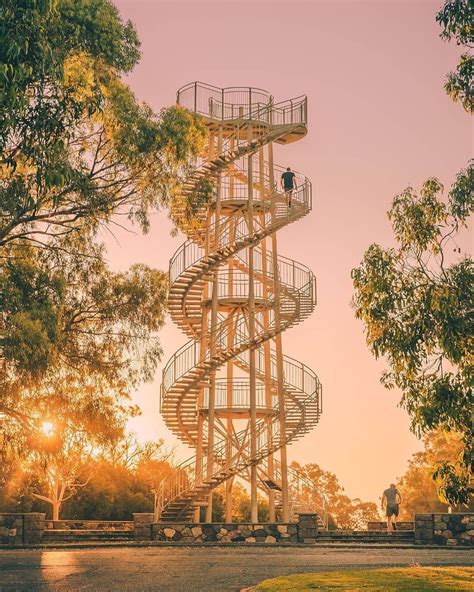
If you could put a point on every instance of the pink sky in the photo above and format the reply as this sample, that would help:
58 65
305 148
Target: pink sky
379 120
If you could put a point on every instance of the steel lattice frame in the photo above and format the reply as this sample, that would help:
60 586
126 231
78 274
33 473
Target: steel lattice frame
230 392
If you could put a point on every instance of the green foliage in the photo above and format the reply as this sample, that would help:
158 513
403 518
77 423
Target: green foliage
114 492
416 305
31 300
456 19
37 37
459 83
61 310
76 145
77 149
95 26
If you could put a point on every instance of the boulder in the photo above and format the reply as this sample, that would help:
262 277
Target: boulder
169 532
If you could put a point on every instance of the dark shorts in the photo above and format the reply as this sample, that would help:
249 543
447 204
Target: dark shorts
392 510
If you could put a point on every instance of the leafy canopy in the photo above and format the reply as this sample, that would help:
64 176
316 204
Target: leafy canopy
457 21
77 147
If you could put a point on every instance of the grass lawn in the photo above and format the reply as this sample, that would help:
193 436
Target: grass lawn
410 579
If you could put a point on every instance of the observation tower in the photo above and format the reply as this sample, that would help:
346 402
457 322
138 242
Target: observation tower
230 392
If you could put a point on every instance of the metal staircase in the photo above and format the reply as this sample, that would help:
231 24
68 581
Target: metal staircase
232 295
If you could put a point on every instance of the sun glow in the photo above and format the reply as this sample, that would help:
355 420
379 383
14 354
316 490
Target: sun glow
47 428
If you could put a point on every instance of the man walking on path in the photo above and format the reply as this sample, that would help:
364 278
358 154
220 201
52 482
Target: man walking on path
288 183
391 500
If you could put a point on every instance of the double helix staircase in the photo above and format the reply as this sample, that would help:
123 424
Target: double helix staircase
216 258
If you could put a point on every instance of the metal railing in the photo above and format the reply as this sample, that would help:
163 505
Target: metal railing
241 103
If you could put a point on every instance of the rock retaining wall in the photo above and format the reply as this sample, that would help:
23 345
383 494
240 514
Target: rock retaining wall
444 529
225 533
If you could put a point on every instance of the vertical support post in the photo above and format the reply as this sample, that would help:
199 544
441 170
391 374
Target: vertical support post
279 358
213 343
230 363
252 360
204 345
266 324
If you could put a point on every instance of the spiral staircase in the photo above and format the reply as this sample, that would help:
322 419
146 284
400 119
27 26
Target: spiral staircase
233 296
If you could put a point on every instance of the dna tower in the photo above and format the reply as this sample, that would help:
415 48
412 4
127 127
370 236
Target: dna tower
230 392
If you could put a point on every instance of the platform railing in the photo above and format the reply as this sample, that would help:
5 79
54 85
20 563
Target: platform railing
234 103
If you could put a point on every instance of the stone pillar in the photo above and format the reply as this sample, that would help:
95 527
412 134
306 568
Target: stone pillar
424 529
307 527
142 526
33 528
22 529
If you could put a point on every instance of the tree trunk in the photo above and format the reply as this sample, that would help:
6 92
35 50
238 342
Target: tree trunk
56 507
155 506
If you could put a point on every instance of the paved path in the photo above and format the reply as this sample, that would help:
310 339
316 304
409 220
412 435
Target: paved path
185 569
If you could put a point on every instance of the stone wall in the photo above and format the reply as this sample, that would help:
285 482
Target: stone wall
305 531
21 529
444 529
225 533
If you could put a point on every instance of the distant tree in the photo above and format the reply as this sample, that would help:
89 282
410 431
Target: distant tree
344 512
420 492
153 469
63 469
416 303
457 21
122 481
61 452
241 510
113 493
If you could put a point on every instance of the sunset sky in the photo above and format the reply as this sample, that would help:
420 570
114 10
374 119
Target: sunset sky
379 120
